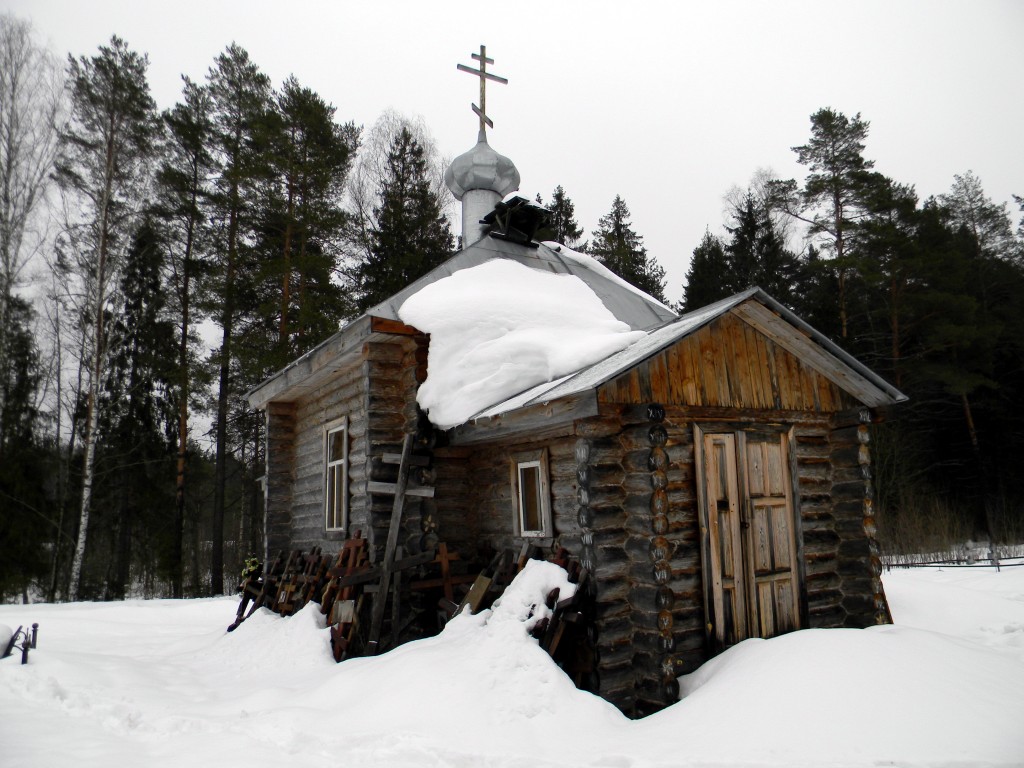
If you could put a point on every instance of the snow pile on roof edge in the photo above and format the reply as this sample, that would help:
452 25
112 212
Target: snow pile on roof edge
500 328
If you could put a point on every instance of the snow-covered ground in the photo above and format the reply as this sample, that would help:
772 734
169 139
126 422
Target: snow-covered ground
160 684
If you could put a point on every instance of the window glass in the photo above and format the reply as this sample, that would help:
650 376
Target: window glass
531 494
335 475
337 441
530 502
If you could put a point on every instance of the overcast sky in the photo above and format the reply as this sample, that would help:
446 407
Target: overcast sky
668 104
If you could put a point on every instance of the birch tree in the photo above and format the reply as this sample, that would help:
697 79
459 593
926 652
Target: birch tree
102 169
31 104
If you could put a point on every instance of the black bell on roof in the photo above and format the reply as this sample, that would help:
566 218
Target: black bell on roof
517 220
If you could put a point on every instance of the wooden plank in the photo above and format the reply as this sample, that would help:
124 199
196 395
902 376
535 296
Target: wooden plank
742 392
396 602
705 366
414 461
674 377
377 617
306 373
753 367
390 489
691 389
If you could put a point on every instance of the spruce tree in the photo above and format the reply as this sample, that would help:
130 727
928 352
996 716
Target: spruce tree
707 279
412 234
563 227
618 247
138 416
26 473
756 255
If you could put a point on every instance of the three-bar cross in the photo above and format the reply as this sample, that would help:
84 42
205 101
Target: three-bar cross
484 76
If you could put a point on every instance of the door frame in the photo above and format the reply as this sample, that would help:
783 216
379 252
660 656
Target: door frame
739 430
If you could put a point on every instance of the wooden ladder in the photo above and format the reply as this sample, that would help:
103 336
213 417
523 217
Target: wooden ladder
400 490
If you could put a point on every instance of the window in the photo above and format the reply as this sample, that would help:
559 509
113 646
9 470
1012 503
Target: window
531 495
336 475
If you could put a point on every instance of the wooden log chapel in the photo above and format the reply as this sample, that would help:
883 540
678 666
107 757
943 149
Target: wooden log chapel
713 477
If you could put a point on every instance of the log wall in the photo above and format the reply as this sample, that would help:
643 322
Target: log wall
342 395
392 368
376 391
280 456
858 565
650 591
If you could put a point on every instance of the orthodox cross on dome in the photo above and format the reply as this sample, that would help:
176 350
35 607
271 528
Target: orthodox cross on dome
484 76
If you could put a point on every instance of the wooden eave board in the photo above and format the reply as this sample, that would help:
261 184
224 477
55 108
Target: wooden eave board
540 420
806 350
313 368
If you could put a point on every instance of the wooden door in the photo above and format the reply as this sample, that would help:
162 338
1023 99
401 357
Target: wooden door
750 538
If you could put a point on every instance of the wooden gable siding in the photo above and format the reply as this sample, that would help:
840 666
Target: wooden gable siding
727 364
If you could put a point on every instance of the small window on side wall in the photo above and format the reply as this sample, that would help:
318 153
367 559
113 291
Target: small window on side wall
336 475
531 494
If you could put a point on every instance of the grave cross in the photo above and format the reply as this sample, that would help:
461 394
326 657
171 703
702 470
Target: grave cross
484 76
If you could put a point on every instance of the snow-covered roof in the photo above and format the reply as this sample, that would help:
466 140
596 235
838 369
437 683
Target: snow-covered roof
628 304
625 303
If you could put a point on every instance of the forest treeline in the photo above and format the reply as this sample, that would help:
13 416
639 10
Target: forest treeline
154 266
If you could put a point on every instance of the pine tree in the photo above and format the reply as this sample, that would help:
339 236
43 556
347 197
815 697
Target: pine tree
102 169
618 247
412 234
707 279
240 100
303 222
831 200
182 187
888 269
988 223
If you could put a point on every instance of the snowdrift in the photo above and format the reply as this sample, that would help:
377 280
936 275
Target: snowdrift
159 683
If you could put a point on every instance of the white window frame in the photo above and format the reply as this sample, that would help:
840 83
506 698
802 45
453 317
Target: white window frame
336 519
529 460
